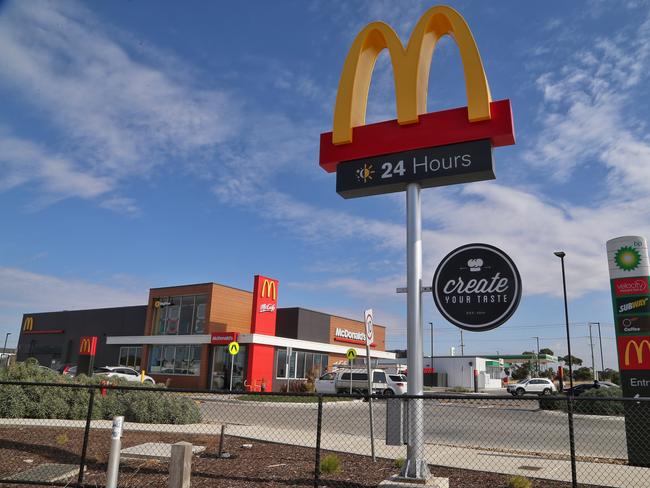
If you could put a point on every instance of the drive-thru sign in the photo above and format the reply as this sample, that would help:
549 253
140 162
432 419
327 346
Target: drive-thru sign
418 150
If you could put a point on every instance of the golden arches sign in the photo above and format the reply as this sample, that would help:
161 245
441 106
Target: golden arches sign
638 348
28 323
410 69
269 289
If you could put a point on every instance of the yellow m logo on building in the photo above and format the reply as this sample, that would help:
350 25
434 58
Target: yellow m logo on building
85 346
638 348
28 323
269 290
410 69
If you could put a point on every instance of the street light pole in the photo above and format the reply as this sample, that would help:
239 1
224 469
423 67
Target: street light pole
462 344
4 349
537 337
572 442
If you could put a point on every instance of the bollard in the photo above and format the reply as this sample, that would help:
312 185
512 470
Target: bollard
221 439
180 465
113 470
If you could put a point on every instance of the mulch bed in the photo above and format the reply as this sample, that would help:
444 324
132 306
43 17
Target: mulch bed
265 464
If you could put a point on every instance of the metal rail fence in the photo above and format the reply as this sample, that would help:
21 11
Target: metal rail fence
60 435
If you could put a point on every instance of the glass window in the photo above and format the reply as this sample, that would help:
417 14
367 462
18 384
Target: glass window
173 316
281 364
155 360
184 360
300 365
187 315
124 356
345 376
199 316
324 361
359 376
328 377
292 365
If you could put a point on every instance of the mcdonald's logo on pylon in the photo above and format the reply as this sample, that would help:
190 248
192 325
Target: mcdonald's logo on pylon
351 139
269 290
28 323
87 345
634 352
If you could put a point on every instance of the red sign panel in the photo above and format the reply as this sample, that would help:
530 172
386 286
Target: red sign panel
223 338
634 352
87 345
265 303
631 286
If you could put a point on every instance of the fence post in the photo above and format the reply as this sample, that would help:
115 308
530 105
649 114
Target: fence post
82 462
180 465
113 470
319 428
572 442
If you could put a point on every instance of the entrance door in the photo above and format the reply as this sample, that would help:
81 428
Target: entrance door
221 367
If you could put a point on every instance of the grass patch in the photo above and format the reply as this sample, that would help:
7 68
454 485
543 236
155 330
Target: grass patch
330 464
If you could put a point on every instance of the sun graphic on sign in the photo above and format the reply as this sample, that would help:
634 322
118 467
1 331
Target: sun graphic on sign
627 258
365 174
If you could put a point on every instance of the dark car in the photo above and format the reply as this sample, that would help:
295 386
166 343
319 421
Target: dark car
580 389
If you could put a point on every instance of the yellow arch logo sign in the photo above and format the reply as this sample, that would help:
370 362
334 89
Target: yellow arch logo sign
269 290
28 323
233 348
410 68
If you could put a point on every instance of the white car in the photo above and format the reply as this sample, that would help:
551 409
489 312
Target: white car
339 381
537 386
124 373
396 384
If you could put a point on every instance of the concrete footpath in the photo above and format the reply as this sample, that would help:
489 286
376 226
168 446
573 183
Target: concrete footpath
532 465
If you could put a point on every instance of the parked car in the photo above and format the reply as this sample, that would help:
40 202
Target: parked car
339 381
122 372
537 386
396 384
577 390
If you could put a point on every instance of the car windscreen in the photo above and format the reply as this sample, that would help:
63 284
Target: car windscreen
396 377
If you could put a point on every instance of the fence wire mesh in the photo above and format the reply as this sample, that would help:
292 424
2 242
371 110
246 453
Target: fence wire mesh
61 434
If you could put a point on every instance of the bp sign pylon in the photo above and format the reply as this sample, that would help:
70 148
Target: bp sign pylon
418 150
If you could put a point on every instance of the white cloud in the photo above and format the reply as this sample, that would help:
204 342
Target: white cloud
23 291
120 111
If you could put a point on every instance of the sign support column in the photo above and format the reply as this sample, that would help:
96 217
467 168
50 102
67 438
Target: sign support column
415 466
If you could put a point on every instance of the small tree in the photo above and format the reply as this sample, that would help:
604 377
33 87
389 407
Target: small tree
521 372
546 351
574 360
610 375
583 374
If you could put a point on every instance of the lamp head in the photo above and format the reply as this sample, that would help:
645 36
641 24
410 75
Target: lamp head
560 254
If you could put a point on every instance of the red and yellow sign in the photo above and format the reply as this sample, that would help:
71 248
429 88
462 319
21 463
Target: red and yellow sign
28 323
265 302
634 352
223 338
351 139
87 345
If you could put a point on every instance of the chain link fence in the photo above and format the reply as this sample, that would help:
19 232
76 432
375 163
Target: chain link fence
60 434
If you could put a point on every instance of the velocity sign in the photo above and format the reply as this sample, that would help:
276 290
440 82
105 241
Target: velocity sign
477 287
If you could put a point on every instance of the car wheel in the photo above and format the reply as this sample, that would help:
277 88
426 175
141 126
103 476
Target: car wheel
520 392
149 382
547 391
388 392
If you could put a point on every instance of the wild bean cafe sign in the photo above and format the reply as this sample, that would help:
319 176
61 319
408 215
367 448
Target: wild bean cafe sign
477 287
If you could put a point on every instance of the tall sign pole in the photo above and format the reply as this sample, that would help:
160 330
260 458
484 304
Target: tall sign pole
415 466
629 272
418 150
367 317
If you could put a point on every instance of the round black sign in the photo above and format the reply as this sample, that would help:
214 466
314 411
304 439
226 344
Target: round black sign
477 287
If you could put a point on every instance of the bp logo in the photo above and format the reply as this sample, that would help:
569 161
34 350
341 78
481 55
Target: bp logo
627 258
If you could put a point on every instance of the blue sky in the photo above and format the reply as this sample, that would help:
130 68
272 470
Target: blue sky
145 144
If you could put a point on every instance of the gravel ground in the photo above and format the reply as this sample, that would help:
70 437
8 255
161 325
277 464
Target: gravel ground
265 464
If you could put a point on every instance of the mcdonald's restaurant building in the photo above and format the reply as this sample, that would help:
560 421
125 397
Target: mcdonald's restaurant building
181 337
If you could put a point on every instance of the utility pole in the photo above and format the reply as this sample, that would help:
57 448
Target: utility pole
462 345
537 337
593 362
600 339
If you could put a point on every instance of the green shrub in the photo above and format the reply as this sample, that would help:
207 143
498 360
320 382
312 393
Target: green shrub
399 462
553 401
330 464
600 408
26 401
519 482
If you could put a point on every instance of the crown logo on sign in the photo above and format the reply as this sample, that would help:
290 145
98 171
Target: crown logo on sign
475 264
